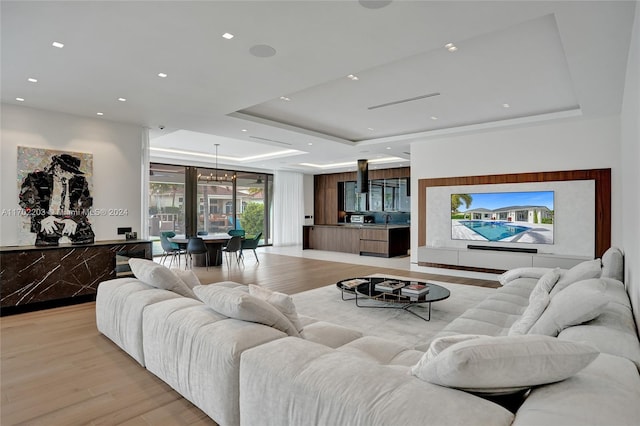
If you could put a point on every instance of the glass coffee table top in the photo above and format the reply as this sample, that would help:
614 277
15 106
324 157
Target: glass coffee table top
366 295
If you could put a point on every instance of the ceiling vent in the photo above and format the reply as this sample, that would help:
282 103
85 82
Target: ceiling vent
401 101
270 140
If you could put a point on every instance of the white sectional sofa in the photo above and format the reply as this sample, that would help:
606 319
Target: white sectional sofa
252 362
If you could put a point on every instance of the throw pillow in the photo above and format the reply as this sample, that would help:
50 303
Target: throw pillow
506 364
524 272
282 302
187 276
536 307
582 271
238 304
545 284
441 343
578 303
613 264
159 276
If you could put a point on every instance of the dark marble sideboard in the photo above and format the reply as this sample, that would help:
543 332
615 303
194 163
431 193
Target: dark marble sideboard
33 278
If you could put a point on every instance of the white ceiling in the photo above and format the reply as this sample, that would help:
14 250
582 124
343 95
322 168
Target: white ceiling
546 60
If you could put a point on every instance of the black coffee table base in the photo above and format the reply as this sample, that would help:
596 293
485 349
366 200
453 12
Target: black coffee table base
381 304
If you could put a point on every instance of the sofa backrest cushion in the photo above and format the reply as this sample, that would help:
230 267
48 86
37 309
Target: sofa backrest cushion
187 276
530 316
582 271
159 276
280 301
238 304
578 303
505 364
523 272
613 264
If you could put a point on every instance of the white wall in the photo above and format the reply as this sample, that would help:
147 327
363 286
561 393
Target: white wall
117 154
630 164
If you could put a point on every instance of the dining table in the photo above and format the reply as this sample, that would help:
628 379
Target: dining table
214 243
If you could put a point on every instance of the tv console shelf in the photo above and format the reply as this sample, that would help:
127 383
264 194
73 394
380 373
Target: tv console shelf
487 260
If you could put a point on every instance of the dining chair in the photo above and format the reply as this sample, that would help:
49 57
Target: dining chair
236 232
232 248
196 245
251 244
170 248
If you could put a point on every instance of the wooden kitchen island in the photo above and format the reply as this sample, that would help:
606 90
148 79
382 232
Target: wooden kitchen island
365 239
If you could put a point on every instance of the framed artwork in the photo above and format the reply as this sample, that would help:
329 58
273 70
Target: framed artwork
55 194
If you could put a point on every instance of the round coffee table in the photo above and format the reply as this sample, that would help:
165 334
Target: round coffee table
366 295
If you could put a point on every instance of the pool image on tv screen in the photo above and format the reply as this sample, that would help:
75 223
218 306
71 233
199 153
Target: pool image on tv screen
516 217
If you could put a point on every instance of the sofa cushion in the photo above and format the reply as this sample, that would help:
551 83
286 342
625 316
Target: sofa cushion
546 283
238 304
382 351
530 316
613 264
159 276
523 272
441 343
310 384
580 272
603 393
187 276
578 303
280 301
505 364
329 334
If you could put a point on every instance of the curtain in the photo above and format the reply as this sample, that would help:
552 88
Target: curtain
288 208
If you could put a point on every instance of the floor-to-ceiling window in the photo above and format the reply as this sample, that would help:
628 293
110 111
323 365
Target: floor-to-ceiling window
225 199
166 199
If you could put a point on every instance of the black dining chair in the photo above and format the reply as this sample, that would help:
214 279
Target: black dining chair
251 244
196 245
170 248
232 248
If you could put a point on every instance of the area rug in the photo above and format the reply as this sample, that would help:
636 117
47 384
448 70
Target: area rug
326 304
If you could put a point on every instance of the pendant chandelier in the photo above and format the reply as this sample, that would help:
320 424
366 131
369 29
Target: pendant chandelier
213 176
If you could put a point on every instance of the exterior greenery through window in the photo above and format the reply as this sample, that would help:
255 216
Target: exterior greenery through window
224 200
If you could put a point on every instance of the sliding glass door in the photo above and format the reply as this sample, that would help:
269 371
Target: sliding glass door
224 200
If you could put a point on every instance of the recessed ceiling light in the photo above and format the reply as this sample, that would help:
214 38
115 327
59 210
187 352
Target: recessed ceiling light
228 36
388 147
122 99
433 117
310 143
353 77
57 44
451 47
244 130
284 98
369 128
506 106
32 80
162 75
99 113
20 99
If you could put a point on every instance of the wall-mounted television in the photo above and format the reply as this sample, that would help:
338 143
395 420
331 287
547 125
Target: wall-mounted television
505 217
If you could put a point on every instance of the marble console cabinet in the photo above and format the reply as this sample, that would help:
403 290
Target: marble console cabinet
41 277
491 261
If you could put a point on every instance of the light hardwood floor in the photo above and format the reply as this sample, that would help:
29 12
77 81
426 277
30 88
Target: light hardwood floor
57 369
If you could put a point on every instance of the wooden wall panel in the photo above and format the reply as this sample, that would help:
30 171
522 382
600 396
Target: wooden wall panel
602 178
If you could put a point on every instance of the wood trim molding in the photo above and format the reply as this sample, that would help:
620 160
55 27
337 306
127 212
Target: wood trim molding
602 178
